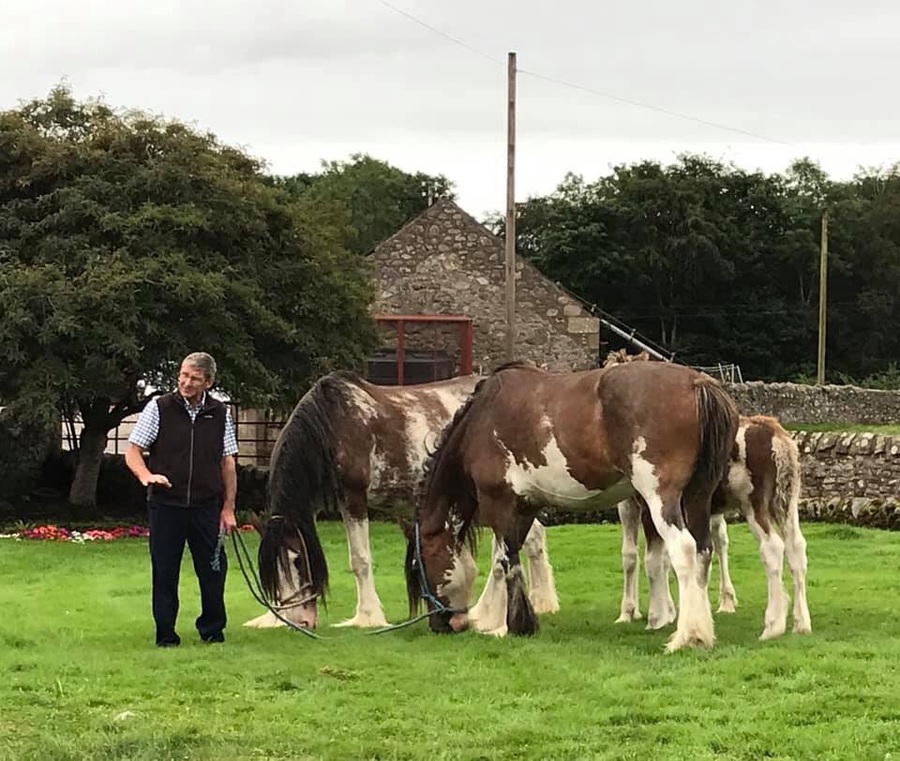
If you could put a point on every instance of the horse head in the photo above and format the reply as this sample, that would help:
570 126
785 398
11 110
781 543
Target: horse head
441 571
285 571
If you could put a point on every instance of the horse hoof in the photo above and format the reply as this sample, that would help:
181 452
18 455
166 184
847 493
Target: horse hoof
363 622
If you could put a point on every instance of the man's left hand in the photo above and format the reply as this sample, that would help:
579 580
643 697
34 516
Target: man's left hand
227 520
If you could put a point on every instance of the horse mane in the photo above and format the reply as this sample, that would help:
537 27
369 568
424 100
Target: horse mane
455 492
437 463
303 479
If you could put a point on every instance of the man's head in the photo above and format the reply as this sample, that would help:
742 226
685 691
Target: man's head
198 373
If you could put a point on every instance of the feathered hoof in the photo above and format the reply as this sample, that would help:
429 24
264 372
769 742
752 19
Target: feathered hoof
727 605
679 641
544 605
626 617
802 627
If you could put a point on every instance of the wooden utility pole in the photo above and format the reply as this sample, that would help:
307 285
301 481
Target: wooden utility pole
511 210
823 297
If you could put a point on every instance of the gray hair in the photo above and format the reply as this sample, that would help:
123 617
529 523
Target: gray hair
203 362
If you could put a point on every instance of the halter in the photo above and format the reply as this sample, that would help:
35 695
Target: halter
423 581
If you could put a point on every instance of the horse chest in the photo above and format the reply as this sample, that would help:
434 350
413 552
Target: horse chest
551 484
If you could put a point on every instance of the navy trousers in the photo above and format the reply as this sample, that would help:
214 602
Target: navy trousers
170 528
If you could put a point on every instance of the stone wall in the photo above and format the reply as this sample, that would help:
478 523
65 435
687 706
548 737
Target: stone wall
850 478
445 262
800 403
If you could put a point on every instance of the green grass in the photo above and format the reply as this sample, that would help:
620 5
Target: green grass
76 654
888 430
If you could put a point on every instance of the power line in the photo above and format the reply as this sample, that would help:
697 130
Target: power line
439 32
583 88
650 107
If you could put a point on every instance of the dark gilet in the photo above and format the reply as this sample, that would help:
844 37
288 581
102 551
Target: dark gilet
189 453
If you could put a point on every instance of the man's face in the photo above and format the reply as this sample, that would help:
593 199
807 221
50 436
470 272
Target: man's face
192 382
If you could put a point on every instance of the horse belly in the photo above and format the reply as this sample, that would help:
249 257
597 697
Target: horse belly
552 485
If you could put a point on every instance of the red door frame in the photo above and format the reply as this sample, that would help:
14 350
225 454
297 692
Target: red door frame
400 321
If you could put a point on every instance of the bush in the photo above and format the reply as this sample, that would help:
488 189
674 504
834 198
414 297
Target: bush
26 441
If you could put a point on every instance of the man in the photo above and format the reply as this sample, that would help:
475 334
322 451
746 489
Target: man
191 482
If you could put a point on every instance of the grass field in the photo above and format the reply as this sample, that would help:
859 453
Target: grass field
82 679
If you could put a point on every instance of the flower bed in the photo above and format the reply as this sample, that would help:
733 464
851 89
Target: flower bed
54 533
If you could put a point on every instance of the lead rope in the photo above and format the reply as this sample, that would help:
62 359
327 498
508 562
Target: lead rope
255 585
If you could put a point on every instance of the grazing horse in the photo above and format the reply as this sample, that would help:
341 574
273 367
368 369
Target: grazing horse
763 480
351 445
527 439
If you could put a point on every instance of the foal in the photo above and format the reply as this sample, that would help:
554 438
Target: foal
763 480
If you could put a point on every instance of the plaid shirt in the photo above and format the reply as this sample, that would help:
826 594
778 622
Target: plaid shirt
147 427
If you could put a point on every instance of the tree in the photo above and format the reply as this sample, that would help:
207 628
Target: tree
378 199
127 241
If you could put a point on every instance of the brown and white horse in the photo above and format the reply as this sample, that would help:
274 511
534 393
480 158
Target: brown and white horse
763 480
351 445
527 439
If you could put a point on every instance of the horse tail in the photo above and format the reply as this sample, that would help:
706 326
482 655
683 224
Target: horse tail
718 419
786 502
303 478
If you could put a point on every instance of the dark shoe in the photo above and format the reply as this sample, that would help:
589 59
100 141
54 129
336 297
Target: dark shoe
212 639
168 643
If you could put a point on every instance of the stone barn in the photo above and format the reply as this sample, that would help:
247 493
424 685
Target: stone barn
444 262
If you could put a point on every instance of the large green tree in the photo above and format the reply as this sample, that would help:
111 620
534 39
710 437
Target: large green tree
376 197
720 264
127 241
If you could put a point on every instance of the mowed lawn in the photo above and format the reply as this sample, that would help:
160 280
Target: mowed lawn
81 678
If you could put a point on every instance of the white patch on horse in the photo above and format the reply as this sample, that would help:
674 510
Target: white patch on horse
377 470
552 483
630 520
540 573
369 611
420 438
364 404
740 483
459 580
488 616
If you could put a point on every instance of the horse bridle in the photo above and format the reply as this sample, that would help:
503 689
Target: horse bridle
424 588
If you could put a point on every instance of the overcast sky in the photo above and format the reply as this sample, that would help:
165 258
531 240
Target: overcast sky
299 81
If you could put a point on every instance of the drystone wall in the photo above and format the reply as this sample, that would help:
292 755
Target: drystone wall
800 403
850 478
